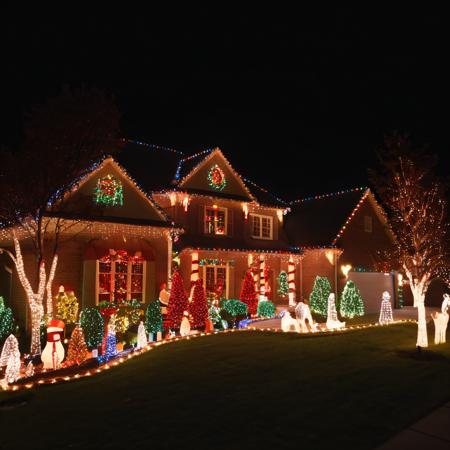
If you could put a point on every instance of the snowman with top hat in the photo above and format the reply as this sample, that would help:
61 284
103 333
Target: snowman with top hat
53 353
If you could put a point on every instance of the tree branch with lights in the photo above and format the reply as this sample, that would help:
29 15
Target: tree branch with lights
414 200
62 140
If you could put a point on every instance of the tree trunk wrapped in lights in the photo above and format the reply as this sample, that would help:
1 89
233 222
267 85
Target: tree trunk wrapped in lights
415 202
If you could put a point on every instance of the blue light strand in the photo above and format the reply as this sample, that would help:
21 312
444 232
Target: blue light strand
331 194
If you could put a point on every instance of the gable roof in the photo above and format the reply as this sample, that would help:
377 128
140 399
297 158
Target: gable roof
189 166
319 220
155 215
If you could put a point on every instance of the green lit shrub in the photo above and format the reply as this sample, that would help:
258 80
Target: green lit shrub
266 309
92 325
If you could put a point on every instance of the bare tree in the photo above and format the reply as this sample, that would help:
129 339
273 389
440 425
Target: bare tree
62 139
414 199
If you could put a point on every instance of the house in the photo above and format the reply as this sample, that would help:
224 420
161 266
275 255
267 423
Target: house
230 225
343 235
138 215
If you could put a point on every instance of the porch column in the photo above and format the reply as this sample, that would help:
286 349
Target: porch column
262 281
194 267
169 262
291 281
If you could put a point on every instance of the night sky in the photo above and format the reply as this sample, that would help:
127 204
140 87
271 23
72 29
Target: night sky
297 101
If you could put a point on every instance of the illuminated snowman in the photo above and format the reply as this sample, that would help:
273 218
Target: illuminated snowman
53 353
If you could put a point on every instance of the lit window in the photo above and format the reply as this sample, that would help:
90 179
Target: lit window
215 221
262 227
215 277
120 277
368 224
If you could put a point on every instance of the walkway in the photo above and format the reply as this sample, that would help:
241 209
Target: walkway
431 432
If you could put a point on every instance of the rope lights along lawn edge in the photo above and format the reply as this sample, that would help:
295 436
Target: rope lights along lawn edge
151 346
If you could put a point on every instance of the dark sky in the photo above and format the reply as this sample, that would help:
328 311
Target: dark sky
298 101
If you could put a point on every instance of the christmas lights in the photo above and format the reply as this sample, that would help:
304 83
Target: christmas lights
53 353
198 308
109 192
303 314
178 301
351 304
77 352
93 325
66 306
332 318
288 323
6 321
386 309
216 178
283 285
266 309
318 298
248 294
142 336
111 343
185 326
153 319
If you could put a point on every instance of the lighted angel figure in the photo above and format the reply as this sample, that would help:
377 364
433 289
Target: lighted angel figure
288 323
441 321
303 313
332 318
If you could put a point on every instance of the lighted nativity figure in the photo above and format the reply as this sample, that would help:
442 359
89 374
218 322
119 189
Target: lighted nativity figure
141 336
332 318
303 313
441 321
386 309
288 323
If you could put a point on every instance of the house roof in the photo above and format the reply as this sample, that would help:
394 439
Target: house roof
188 165
318 221
152 166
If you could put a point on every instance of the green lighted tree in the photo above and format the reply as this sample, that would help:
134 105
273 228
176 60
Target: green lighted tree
283 285
93 326
352 304
153 318
318 299
6 321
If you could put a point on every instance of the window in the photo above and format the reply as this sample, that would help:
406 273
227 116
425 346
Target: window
215 220
214 276
120 277
262 227
368 224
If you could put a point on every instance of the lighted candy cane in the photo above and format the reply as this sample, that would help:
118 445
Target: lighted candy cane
262 283
291 281
194 267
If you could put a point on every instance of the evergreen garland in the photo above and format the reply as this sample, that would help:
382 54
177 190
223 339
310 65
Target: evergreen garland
318 299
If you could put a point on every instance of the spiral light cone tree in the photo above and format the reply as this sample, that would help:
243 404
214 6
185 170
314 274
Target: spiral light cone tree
414 200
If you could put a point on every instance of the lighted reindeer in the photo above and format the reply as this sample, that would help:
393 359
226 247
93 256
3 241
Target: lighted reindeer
288 323
303 313
441 321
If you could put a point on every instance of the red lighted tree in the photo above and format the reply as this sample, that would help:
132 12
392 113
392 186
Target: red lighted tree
414 200
77 351
198 307
248 294
178 302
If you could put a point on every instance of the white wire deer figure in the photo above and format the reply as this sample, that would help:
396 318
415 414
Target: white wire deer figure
441 321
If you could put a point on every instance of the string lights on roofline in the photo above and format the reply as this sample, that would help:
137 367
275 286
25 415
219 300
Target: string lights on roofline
152 146
331 194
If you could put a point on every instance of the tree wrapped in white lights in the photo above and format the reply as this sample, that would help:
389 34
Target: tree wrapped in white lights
62 140
415 202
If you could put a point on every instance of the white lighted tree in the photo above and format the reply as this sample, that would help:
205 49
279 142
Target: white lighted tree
62 139
414 200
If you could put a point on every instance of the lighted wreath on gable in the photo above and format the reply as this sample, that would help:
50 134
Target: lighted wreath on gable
108 191
216 178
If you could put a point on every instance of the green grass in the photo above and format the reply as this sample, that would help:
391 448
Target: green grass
241 390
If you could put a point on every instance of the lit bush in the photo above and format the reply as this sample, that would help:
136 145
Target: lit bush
266 309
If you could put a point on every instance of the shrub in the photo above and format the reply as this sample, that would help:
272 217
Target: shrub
266 309
233 310
7 324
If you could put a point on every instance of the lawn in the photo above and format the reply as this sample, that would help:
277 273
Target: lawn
241 390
